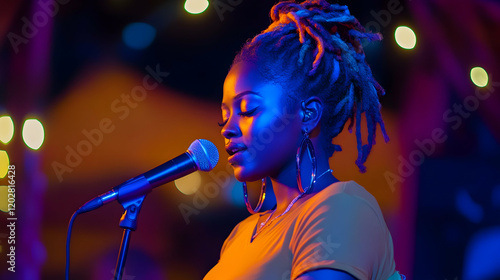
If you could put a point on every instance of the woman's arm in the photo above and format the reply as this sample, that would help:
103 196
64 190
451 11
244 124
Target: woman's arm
326 273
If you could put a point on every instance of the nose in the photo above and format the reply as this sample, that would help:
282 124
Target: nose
231 129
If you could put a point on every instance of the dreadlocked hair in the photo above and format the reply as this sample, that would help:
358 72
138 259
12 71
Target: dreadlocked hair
314 48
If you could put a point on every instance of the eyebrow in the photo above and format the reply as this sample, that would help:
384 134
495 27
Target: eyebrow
241 94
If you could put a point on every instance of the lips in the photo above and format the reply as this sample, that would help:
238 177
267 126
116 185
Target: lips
233 148
234 151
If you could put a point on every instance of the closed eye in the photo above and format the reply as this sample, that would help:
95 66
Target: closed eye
223 123
249 112
245 114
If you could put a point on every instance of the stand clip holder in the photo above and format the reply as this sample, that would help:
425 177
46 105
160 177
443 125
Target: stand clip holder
128 222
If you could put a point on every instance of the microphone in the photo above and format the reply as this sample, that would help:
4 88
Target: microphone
201 155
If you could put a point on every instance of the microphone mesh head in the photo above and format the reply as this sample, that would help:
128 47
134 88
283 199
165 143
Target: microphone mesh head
205 154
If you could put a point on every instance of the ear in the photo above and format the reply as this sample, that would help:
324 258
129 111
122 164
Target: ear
311 111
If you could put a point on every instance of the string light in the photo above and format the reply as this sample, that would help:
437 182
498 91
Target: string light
4 199
479 76
6 129
4 163
196 6
405 37
33 133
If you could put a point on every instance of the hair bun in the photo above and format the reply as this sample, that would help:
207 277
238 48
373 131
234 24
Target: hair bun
308 8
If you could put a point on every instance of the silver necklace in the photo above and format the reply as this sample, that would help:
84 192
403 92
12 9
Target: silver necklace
267 222
329 170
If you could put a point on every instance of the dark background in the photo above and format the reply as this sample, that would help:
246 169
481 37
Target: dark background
444 215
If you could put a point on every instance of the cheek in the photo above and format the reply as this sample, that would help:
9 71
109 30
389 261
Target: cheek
272 144
269 131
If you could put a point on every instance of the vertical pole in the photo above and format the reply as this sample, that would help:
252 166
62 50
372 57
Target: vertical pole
120 263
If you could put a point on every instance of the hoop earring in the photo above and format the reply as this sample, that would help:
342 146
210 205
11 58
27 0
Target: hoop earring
262 196
312 156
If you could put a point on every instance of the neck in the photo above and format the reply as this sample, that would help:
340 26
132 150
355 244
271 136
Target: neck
285 184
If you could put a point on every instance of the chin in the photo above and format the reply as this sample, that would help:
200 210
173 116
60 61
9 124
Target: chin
243 174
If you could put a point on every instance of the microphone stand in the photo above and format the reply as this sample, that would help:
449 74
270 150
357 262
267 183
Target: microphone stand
128 222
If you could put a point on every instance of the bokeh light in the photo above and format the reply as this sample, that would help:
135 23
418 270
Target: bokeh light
33 133
6 129
405 37
4 163
196 6
189 184
479 76
4 199
138 35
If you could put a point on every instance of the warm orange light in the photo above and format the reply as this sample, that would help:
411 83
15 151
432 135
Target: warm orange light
4 163
189 184
4 199
6 129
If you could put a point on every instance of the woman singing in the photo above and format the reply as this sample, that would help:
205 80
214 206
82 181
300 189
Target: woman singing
289 92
